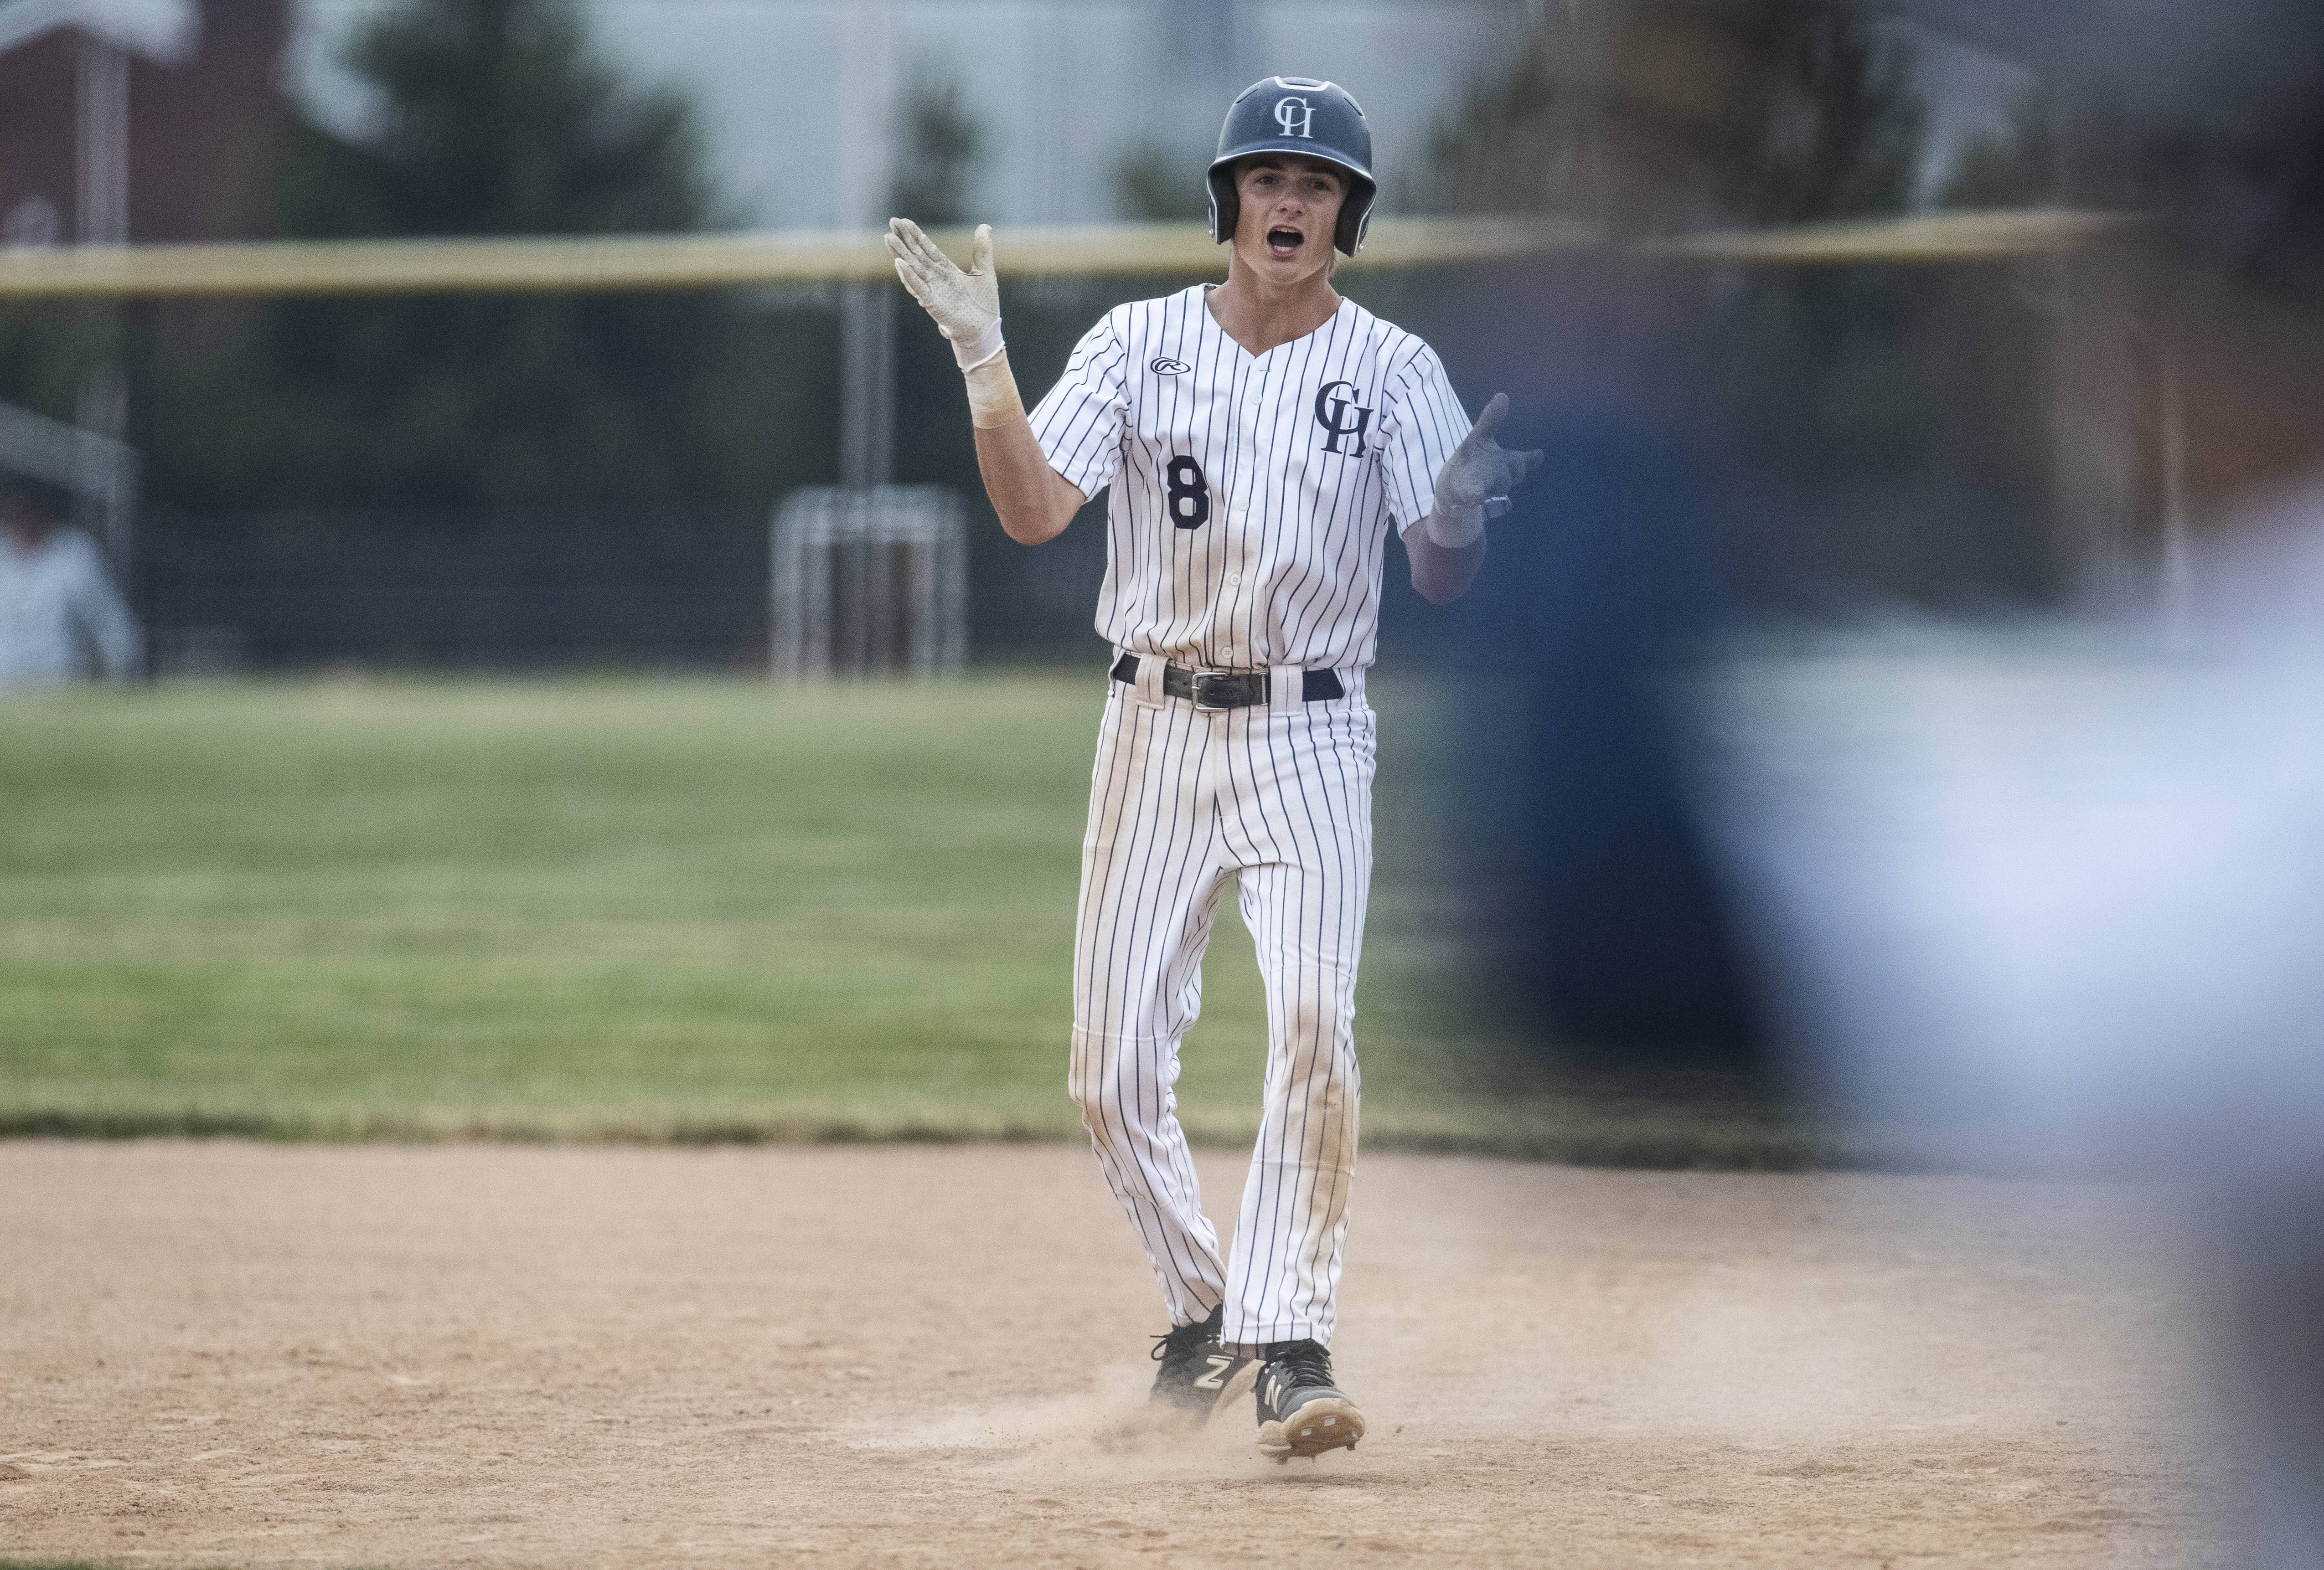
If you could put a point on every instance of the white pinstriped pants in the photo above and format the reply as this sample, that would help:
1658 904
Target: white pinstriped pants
1276 800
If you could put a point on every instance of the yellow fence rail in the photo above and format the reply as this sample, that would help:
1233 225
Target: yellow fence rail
1921 238
611 263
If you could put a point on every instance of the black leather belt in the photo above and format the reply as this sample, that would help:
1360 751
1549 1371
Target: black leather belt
1230 688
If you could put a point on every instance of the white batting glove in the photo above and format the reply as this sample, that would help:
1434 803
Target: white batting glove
1476 481
966 306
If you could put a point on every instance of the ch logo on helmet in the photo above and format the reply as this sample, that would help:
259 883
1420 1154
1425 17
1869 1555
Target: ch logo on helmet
1166 366
1296 116
1332 413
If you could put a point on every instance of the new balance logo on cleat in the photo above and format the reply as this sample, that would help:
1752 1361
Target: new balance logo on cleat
1301 1412
1197 1374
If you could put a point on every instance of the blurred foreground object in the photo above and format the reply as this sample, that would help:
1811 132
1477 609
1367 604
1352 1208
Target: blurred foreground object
2048 899
2048 895
1726 438
1701 136
2045 891
59 616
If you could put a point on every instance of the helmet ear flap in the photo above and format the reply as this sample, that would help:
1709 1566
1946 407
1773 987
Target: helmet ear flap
1226 207
1355 214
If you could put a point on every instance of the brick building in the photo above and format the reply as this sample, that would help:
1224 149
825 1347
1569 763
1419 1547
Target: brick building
137 120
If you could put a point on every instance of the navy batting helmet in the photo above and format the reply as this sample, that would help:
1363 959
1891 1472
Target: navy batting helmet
1302 116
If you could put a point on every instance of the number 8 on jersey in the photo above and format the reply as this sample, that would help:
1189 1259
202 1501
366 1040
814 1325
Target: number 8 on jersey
1189 493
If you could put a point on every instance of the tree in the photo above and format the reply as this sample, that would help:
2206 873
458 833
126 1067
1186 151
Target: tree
944 144
50 349
494 118
1154 184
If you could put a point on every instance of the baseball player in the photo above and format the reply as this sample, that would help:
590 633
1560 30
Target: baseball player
1258 438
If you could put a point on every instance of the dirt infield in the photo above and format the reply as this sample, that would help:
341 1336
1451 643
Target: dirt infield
228 1354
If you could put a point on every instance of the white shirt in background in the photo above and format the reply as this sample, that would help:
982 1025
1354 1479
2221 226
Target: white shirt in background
61 618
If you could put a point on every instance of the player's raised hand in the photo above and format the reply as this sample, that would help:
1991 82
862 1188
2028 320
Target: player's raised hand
966 306
1476 480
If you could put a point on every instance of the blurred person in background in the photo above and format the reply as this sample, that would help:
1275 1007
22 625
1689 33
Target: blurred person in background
2049 894
61 618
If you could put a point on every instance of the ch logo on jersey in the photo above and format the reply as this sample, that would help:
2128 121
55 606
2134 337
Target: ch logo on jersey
1296 116
1166 366
1332 413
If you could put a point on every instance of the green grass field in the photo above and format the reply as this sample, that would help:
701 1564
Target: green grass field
656 909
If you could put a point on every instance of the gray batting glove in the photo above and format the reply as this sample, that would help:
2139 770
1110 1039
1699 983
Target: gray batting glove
966 306
1476 481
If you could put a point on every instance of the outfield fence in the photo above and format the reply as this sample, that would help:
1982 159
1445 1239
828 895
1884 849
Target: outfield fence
667 588
537 589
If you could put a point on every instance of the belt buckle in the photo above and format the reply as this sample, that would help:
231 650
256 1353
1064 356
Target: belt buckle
1214 692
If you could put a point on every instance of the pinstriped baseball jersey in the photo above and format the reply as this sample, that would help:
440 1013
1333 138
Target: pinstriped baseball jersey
1251 500
1252 493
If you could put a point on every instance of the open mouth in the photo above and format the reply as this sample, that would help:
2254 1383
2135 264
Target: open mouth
1284 244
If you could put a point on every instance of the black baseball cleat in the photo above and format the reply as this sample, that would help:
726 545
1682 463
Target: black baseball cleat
1197 1374
1301 1412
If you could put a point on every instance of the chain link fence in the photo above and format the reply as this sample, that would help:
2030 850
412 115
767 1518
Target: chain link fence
542 589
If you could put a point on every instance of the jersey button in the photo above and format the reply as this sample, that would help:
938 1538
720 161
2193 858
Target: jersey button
1234 577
